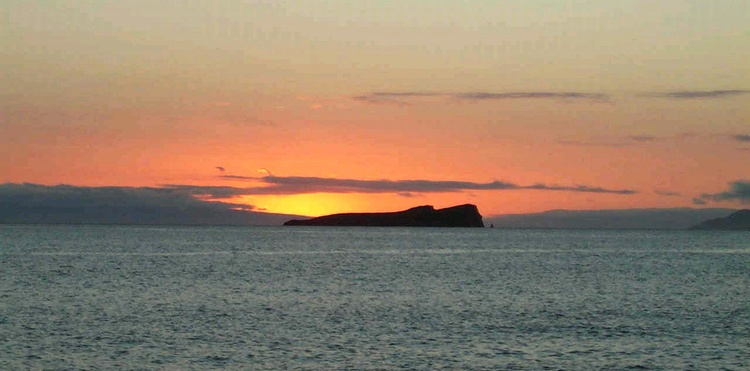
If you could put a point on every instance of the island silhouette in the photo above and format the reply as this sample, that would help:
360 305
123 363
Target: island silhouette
466 215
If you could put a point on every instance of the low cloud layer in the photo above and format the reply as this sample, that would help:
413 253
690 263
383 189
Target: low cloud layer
741 137
65 204
297 185
68 195
738 191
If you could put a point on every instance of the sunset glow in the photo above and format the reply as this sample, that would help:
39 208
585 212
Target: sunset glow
516 107
309 204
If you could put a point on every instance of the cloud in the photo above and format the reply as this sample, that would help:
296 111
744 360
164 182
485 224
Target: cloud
138 197
220 168
739 190
299 185
403 98
223 192
266 171
643 138
408 194
664 192
592 143
698 94
406 94
698 201
530 95
68 195
34 203
393 98
629 140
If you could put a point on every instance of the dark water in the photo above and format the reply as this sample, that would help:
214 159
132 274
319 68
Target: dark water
381 298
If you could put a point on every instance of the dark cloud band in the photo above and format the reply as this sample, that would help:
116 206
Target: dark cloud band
738 191
297 185
66 204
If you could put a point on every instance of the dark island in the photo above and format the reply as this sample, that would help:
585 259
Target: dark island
421 216
738 221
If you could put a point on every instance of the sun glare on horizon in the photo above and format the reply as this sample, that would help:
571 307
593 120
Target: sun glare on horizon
312 205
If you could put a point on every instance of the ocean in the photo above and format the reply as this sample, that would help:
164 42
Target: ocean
317 298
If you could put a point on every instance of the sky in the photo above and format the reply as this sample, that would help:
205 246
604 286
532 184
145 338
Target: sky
314 107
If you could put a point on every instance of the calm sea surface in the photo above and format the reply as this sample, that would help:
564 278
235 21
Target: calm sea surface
176 298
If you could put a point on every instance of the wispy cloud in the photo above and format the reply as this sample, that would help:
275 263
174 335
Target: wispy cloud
530 95
665 192
298 185
739 190
643 138
625 141
394 98
698 94
406 94
371 99
408 194
631 140
405 98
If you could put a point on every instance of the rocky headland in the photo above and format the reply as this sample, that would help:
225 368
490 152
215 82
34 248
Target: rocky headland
738 221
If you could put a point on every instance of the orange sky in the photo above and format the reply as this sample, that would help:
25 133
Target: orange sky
588 101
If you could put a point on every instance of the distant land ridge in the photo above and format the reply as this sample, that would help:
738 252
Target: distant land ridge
669 219
738 221
421 216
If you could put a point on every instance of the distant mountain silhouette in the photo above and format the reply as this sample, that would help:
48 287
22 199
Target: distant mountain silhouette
675 218
738 221
421 216
65 204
